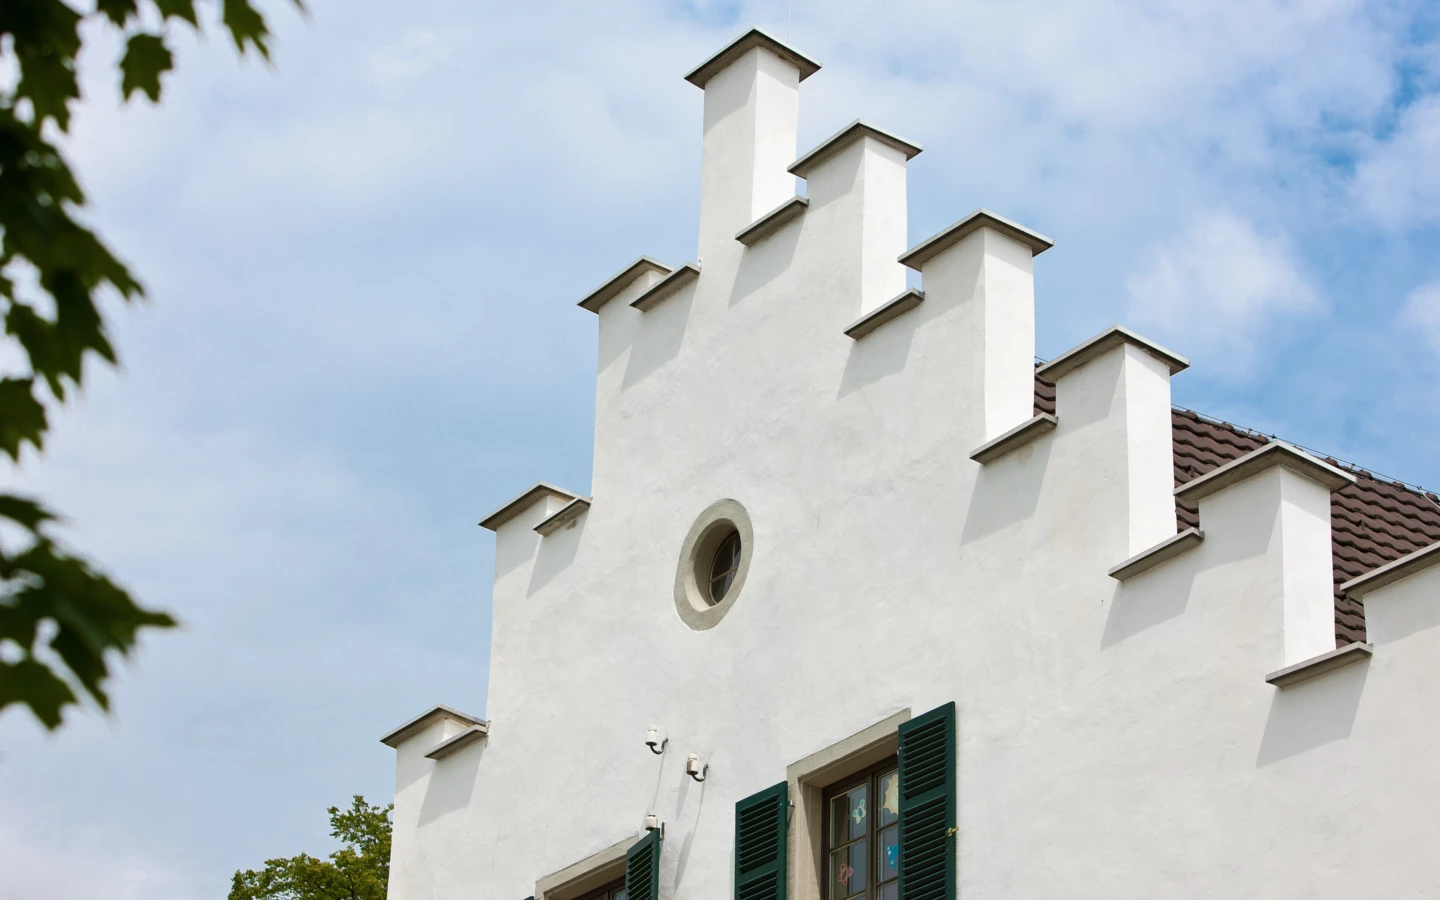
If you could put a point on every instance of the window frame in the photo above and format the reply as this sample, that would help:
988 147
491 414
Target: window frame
869 776
614 890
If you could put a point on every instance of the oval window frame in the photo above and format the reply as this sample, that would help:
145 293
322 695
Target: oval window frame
692 573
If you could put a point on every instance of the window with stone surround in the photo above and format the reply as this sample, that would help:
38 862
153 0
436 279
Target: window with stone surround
862 835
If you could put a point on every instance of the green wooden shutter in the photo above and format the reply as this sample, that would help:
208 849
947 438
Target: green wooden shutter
927 806
642 869
760 827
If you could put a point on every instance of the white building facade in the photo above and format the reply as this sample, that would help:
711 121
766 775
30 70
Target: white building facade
857 611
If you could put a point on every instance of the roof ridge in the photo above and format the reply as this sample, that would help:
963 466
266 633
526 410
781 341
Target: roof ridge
1320 454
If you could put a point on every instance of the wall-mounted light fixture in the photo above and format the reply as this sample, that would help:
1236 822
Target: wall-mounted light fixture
694 769
655 741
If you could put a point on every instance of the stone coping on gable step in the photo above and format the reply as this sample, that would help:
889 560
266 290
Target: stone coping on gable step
1388 574
620 281
843 138
666 286
1015 438
567 513
513 508
890 309
1167 549
1106 340
456 743
1319 665
744 44
772 221
933 246
1275 453
436 713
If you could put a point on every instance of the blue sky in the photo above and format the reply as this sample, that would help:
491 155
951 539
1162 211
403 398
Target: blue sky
363 263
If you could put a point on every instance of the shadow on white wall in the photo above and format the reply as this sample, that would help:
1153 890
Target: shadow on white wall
451 783
1312 713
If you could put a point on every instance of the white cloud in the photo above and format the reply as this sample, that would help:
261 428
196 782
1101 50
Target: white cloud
1220 287
1399 183
87 865
1422 312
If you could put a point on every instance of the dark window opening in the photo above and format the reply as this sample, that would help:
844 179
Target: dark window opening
724 566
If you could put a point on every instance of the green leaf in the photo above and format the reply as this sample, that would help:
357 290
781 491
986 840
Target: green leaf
146 59
90 614
32 684
45 37
22 417
36 194
247 26
178 9
117 11
24 512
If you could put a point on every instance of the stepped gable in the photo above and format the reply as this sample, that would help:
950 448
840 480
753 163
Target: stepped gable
1372 522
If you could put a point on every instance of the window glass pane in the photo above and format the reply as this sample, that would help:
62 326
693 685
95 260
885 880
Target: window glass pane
888 855
725 556
620 894
858 811
889 799
847 870
890 891
848 814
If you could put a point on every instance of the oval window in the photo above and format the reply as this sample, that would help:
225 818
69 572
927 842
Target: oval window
714 563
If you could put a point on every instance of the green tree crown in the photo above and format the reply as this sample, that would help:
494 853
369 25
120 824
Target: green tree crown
360 870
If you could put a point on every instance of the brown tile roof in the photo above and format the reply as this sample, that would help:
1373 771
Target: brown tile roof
1373 521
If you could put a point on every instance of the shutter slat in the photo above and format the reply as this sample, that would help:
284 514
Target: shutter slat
927 806
642 868
761 821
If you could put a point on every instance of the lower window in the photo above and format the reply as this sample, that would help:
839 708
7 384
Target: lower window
862 835
615 890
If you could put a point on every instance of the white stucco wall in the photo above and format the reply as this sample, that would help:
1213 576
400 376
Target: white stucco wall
1115 740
